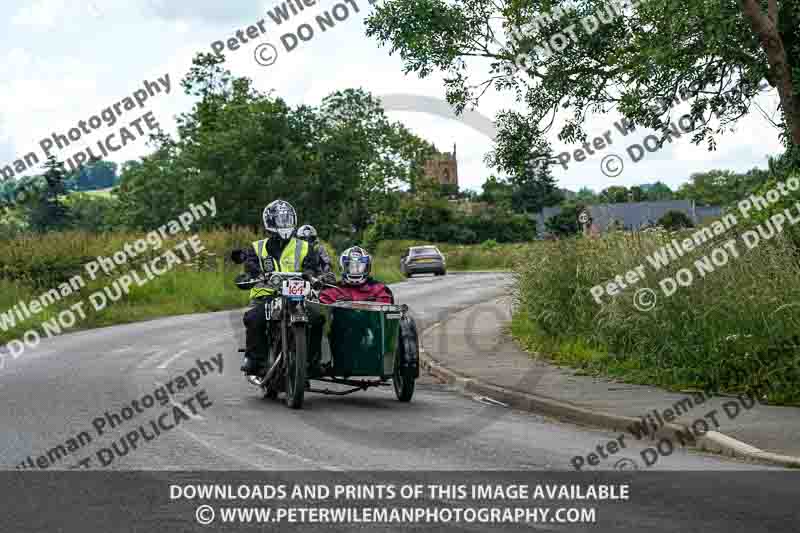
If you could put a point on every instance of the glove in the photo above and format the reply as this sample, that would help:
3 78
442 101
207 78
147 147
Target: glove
329 278
237 256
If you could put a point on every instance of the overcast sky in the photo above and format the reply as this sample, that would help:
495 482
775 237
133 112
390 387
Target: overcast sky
66 60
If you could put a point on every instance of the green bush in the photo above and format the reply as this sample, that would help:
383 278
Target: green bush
565 223
675 220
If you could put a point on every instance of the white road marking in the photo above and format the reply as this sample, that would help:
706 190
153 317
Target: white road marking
126 348
489 401
299 457
171 359
181 407
157 352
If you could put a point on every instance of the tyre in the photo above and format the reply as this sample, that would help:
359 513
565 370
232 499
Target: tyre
270 394
441 273
403 378
408 275
297 353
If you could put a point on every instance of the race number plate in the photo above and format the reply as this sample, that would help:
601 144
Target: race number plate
296 289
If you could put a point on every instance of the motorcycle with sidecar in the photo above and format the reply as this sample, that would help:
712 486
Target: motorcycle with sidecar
359 344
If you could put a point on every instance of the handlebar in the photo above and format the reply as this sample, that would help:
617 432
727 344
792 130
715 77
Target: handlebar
274 279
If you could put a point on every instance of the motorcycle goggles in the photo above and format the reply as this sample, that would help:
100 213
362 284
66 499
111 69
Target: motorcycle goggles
356 266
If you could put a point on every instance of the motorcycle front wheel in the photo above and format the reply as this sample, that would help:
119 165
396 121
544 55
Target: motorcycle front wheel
297 355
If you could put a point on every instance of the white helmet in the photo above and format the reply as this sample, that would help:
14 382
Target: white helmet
281 218
356 264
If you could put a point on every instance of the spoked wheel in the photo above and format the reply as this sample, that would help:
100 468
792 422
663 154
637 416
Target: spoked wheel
403 378
297 355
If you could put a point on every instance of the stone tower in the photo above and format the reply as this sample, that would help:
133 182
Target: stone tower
443 168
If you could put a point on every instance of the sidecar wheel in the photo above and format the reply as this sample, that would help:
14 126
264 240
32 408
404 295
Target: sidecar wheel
403 378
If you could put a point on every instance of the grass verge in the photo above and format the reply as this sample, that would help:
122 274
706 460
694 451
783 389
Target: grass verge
31 266
732 330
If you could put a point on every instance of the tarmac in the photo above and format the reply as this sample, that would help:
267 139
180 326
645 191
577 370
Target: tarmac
473 351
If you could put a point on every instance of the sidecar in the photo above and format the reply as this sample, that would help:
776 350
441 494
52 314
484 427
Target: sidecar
362 345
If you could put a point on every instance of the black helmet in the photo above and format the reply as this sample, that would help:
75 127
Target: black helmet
281 218
307 232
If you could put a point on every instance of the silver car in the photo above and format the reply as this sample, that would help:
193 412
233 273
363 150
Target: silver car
423 260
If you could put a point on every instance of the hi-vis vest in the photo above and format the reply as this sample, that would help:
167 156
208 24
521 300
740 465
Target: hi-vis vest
292 258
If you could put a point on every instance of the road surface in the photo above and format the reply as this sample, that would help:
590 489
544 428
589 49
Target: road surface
54 393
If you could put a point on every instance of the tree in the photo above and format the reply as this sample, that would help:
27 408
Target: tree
47 212
658 192
533 185
93 176
586 196
721 187
565 223
675 220
616 194
497 191
339 163
638 60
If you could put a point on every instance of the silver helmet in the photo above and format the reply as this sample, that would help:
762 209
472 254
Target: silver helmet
281 218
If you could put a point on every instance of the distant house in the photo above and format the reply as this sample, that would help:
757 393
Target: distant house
634 215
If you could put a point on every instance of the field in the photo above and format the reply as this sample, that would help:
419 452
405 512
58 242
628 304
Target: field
32 266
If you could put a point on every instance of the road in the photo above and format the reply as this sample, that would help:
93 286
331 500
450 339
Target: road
55 392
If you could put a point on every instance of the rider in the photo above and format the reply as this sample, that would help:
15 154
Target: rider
308 233
356 285
281 252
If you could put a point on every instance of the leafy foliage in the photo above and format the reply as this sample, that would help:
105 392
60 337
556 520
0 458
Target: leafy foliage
47 211
637 61
565 223
339 164
675 220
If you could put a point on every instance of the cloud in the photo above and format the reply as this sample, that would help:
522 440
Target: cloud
212 11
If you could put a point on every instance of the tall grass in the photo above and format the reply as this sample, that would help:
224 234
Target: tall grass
728 331
32 265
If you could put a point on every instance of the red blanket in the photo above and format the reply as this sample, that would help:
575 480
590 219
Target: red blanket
371 291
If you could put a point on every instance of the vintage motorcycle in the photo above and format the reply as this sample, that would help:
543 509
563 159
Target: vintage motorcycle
333 343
